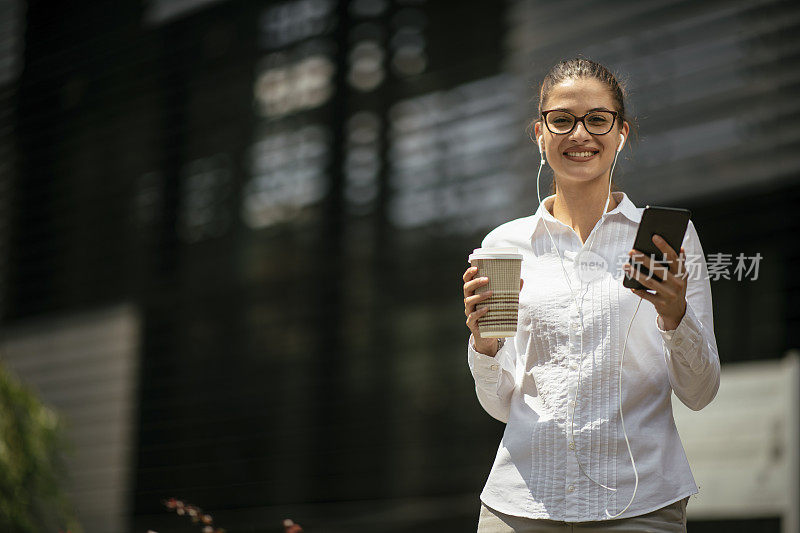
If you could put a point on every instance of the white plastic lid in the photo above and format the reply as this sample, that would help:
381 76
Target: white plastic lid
495 253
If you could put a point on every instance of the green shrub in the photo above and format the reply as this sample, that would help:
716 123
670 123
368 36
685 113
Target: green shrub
32 470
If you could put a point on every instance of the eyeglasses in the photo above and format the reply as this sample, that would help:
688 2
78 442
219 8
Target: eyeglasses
563 122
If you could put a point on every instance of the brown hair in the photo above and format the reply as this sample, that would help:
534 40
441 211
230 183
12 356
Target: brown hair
579 67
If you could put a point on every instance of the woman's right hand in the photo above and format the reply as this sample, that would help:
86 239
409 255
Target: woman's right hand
473 313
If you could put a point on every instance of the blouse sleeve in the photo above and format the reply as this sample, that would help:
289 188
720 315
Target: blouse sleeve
690 350
494 377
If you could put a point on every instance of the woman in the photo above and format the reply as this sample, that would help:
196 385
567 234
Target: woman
585 384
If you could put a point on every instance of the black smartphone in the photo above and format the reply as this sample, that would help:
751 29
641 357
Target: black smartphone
671 224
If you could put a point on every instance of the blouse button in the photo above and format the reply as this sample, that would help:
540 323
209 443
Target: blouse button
571 488
494 367
571 445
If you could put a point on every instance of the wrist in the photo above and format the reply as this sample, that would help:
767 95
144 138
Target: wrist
672 323
488 346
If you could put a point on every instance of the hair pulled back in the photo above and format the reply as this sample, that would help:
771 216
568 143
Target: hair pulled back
579 67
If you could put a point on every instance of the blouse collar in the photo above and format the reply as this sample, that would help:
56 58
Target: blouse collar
624 206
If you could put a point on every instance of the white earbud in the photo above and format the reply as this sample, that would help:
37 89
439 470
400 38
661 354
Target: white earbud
621 142
541 149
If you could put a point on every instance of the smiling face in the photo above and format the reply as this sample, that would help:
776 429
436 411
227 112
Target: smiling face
580 156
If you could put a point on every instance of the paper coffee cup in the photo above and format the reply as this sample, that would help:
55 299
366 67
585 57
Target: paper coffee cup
502 266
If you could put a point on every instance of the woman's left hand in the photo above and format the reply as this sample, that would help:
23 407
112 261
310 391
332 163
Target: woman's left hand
670 293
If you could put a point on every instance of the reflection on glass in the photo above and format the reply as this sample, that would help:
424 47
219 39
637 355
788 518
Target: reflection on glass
366 65
290 22
449 156
362 160
368 8
409 56
293 87
698 90
287 170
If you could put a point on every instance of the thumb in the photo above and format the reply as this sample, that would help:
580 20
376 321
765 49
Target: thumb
521 283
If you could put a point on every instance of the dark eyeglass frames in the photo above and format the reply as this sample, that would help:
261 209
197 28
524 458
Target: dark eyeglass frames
563 122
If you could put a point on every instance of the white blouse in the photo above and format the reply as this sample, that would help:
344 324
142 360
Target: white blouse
531 383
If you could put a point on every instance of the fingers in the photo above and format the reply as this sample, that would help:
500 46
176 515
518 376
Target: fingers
669 252
472 286
633 269
673 285
633 272
657 271
674 273
471 298
472 320
654 267
472 283
470 273
473 313
471 302
648 281
646 295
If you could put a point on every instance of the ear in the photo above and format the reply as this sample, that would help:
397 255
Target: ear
537 136
537 130
625 130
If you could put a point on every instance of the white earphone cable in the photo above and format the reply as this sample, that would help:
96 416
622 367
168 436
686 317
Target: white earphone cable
580 362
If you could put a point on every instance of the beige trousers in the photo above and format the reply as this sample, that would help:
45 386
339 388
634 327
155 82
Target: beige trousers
669 519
